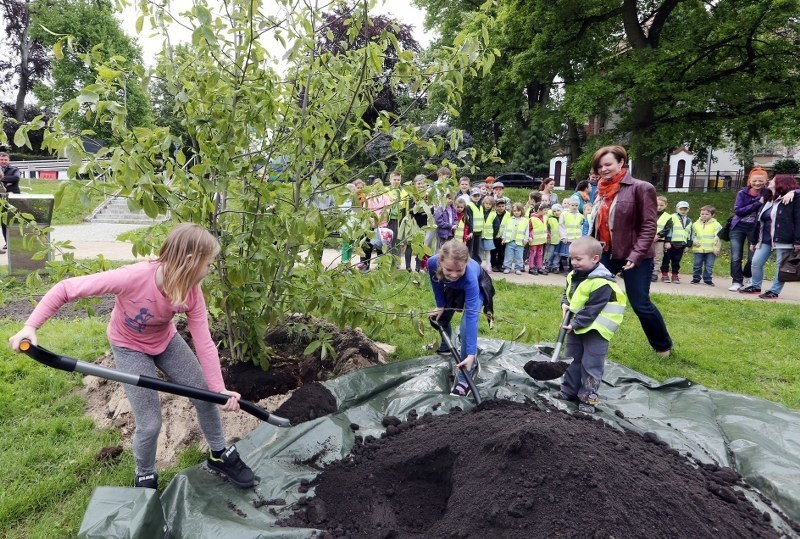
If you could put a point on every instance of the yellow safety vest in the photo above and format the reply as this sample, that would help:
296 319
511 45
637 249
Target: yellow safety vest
609 319
538 231
399 198
572 222
552 227
680 234
663 219
706 234
477 218
516 231
459 233
505 221
488 225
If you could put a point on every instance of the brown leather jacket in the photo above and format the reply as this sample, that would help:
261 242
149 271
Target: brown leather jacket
632 221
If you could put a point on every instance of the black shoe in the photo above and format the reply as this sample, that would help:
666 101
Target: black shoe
695 281
532 272
149 480
560 395
750 290
653 278
233 468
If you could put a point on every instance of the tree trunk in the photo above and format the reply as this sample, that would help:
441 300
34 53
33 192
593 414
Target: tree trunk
24 67
643 154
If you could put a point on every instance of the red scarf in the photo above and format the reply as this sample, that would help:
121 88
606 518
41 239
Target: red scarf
607 191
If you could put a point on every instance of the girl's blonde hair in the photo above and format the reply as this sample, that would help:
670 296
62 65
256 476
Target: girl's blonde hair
488 198
451 250
183 254
516 206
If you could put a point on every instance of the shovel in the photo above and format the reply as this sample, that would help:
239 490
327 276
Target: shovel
455 357
546 367
69 364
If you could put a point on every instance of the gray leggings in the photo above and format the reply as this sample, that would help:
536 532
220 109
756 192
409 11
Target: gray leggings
180 365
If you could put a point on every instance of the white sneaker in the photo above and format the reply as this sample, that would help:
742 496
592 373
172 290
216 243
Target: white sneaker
517 272
734 287
506 271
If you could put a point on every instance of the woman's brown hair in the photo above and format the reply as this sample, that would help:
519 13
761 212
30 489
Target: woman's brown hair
451 250
186 250
617 151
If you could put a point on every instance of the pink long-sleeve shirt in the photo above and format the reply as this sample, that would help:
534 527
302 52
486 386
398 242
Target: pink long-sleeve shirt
142 316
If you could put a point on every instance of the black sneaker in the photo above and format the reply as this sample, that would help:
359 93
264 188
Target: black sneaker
233 468
560 395
750 290
769 294
149 480
695 281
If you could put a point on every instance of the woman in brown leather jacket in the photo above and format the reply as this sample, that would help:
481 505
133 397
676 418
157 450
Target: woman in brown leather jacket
624 220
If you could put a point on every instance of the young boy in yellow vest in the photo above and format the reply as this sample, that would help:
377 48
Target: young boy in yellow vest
570 224
552 258
677 237
597 305
706 245
475 209
663 217
515 238
500 219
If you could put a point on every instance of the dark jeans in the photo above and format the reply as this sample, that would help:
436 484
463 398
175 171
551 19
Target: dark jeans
498 254
672 257
637 287
738 234
475 247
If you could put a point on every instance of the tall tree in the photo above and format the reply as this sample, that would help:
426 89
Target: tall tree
95 38
28 61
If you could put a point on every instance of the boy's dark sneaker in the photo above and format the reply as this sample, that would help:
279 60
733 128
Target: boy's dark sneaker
542 271
750 290
560 395
149 480
695 281
532 271
665 279
709 283
230 465
676 279
769 294
443 350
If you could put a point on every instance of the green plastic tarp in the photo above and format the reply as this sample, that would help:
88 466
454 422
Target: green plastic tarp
758 438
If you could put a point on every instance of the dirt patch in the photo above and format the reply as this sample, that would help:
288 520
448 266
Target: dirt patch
515 471
22 308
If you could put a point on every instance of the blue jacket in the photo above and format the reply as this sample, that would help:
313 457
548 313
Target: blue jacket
473 299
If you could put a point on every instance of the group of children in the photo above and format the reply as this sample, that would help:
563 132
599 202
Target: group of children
676 232
502 236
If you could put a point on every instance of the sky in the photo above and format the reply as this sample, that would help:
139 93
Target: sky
399 9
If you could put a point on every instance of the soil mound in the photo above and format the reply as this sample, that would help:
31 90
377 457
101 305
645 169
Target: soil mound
514 471
309 402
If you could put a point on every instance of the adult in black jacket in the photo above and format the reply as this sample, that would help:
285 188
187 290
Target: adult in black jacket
10 179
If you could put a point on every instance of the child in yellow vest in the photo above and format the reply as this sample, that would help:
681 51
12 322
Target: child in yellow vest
537 238
597 305
677 237
570 224
514 240
552 258
706 245
663 217
487 235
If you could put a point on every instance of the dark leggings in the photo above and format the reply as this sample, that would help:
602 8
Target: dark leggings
672 257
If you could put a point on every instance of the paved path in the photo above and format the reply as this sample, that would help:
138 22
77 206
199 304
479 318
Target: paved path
93 239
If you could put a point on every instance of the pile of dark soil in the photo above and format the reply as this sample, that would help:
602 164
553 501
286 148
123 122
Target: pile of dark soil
309 402
514 471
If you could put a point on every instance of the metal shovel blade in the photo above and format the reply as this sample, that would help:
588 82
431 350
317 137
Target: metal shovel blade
549 367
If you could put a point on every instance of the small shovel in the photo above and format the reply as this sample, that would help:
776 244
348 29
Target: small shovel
549 367
69 364
455 355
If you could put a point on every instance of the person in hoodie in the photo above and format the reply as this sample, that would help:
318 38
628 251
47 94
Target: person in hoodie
706 245
597 305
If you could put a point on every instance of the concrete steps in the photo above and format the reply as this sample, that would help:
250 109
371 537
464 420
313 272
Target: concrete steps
115 210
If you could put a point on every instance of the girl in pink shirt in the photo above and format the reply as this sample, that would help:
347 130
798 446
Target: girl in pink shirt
144 338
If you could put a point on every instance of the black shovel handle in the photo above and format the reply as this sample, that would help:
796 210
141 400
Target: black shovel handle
446 339
562 334
69 364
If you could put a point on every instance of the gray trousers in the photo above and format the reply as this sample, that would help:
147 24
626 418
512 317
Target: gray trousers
180 365
585 373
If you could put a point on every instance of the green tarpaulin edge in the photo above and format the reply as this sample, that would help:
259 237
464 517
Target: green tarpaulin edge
758 438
